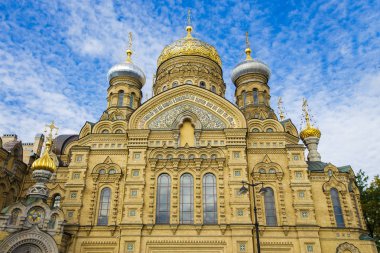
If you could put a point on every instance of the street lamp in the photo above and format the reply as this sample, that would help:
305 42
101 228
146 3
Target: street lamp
244 190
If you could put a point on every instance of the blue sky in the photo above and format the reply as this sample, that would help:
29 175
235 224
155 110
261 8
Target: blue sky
54 57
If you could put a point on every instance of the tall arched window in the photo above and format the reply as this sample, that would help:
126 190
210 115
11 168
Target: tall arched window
120 98
175 84
56 201
131 99
244 98
337 207
104 206
163 199
210 213
202 84
186 201
270 207
213 89
52 222
255 97
14 217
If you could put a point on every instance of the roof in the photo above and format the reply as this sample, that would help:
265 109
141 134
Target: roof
8 146
320 166
61 141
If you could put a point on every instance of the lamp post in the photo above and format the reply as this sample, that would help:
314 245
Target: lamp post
244 190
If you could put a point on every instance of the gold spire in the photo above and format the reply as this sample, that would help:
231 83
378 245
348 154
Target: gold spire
247 49
45 162
309 130
280 109
129 50
189 28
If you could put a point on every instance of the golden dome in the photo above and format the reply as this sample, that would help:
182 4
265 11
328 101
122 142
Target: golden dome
310 132
44 162
189 46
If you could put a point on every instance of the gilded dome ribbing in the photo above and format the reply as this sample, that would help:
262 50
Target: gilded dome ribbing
44 162
310 132
189 46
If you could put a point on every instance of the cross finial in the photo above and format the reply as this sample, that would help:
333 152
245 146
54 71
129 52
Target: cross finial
247 49
280 109
188 17
305 110
49 139
129 50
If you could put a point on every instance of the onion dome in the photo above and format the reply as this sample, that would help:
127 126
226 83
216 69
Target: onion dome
250 66
189 46
45 162
127 69
309 130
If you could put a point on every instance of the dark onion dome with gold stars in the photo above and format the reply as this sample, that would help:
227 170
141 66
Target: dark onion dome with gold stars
45 162
189 46
309 130
127 69
250 66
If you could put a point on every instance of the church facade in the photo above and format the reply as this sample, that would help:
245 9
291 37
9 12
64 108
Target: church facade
165 175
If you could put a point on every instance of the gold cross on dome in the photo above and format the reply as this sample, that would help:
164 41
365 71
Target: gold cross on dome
247 40
189 17
52 127
130 40
280 109
305 109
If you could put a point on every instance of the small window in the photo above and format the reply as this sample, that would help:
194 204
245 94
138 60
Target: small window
78 158
214 156
242 247
189 82
203 156
237 173
330 173
56 201
202 84
159 157
296 157
75 175
73 195
213 89
112 171
120 98
181 157
298 174
164 88
175 84
137 155
272 171
119 131
301 194
133 193
70 214
269 130
239 212
262 171
309 248
191 156
105 131
255 130
169 157
132 212
236 154
130 247
304 214
102 171
135 173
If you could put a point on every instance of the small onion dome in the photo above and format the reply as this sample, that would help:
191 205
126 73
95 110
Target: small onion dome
310 132
44 162
250 66
127 69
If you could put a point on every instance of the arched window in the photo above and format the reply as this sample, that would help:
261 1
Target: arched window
159 157
255 97
270 207
56 201
118 131
191 156
262 171
169 156
337 207
255 130
272 171
203 156
214 156
52 221
105 131
210 214
244 94
104 206
213 89
102 171
131 99
186 201
14 217
265 97
202 84
269 130
120 98
164 88
175 84
163 199
112 171
189 82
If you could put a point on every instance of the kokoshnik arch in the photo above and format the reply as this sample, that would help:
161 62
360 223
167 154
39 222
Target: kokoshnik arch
164 176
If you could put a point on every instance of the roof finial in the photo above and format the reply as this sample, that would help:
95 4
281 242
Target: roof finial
305 110
247 49
49 138
189 28
280 109
129 50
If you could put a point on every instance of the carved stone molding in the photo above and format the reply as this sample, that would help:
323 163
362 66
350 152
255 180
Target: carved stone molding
344 247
